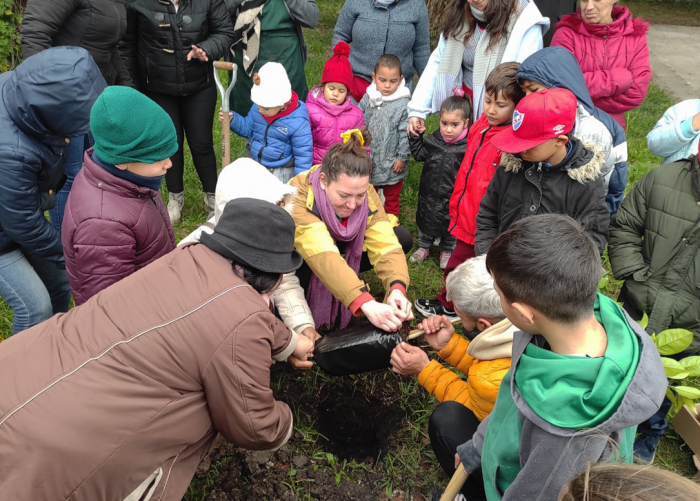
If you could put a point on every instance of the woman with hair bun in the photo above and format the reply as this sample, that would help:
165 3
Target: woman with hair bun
337 215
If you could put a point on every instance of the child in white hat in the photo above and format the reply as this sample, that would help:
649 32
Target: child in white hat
277 124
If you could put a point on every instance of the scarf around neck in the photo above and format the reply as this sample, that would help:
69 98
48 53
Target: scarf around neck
324 306
376 98
291 106
246 31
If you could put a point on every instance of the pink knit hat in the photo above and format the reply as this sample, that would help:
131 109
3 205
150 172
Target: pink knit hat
338 69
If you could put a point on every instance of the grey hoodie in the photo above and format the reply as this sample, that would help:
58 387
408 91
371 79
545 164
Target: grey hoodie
550 455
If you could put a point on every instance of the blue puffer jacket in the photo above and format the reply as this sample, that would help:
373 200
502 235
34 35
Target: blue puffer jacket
286 142
45 101
557 67
673 137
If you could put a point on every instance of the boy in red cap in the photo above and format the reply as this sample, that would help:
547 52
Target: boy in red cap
544 170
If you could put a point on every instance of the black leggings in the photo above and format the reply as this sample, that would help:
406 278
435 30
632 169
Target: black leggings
405 239
194 114
452 424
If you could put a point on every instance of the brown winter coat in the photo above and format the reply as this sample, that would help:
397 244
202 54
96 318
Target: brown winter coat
133 386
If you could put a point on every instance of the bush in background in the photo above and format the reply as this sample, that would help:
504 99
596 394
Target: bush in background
10 21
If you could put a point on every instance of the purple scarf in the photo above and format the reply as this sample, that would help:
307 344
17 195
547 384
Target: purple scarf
324 306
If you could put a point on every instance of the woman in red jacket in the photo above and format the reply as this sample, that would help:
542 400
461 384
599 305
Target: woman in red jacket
611 48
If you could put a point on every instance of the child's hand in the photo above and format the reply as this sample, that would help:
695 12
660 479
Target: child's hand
221 116
304 349
399 165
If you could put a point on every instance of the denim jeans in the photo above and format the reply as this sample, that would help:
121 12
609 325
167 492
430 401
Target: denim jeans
74 161
35 289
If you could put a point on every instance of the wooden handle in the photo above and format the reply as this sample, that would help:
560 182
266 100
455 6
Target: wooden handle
417 333
456 483
226 140
223 65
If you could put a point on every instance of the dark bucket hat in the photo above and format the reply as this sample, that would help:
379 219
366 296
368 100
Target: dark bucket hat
255 233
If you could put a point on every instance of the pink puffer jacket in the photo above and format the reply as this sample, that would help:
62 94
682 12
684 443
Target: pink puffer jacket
328 121
614 58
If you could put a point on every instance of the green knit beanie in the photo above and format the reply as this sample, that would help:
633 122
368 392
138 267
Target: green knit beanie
130 127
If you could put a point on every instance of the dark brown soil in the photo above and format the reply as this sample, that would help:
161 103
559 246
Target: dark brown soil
357 424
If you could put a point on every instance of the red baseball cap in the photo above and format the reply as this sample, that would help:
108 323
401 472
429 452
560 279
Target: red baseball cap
539 117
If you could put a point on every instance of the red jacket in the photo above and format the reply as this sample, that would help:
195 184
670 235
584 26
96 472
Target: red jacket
475 173
614 58
111 228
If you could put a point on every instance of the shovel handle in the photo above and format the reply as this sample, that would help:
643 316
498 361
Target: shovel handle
418 332
456 483
223 65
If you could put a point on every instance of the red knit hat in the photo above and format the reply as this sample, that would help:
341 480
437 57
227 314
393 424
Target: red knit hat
338 69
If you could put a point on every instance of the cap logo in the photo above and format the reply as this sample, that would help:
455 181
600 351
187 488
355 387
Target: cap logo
558 128
517 119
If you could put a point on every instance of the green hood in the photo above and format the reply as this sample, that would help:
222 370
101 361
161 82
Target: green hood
580 392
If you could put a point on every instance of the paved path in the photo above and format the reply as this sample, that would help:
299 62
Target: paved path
674 52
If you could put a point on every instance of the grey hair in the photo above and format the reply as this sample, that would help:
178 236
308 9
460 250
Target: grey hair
470 288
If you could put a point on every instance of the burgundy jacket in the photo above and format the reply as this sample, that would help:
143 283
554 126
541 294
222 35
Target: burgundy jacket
614 58
111 228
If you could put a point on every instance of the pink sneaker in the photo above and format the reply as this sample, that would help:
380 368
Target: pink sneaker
420 255
444 258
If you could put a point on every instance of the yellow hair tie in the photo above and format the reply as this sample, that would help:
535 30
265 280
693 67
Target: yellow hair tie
349 133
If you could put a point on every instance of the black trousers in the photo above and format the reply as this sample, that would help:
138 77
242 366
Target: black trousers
452 424
192 116
404 236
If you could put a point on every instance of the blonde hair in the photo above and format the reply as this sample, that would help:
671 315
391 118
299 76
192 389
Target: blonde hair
622 482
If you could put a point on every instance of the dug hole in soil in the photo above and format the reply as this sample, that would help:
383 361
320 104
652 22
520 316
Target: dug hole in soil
355 423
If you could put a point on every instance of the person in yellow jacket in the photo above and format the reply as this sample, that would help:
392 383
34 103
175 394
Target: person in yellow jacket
484 359
342 230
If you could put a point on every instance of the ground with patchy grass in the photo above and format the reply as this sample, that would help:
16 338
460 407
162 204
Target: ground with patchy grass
365 437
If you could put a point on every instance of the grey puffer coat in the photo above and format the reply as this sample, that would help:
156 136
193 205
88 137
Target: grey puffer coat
95 25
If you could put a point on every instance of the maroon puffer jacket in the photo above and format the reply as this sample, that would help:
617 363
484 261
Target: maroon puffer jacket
111 228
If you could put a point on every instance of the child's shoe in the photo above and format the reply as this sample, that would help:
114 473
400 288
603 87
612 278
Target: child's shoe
210 201
433 307
420 255
176 202
444 258
645 448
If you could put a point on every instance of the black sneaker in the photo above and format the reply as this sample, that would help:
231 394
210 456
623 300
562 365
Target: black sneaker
432 307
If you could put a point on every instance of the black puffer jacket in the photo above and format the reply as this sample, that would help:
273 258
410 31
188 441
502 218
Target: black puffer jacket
520 189
441 163
95 25
158 40
44 101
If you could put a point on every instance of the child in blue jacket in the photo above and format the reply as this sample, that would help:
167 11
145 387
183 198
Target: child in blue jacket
277 124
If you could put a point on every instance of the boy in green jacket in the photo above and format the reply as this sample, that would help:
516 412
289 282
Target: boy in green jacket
583 373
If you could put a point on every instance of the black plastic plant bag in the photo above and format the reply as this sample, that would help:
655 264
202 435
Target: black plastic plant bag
358 349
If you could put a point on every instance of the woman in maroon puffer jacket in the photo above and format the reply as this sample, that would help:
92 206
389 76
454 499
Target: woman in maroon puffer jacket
611 48
115 221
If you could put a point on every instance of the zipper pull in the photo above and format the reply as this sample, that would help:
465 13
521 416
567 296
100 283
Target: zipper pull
539 167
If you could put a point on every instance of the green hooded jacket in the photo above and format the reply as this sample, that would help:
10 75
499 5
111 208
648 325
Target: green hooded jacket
655 248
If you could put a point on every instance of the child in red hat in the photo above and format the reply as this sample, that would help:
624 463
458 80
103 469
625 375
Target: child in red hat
544 169
331 112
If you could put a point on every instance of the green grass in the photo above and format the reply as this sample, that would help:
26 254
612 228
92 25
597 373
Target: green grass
410 464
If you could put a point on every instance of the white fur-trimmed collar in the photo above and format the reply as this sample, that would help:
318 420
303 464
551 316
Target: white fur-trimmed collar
376 98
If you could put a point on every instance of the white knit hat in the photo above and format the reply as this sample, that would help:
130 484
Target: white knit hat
246 178
271 86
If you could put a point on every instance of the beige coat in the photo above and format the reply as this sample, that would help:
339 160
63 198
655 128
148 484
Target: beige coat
124 394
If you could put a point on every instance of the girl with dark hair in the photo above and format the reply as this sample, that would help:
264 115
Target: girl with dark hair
337 215
477 36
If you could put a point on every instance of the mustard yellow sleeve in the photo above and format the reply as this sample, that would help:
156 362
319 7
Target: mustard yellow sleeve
444 384
455 354
484 382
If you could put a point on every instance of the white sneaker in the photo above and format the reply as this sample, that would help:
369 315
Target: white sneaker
420 255
210 201
176 202
444 258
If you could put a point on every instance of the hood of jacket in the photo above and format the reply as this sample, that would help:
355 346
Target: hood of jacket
604 394
493 343
315 96
623 24
49 96
584 163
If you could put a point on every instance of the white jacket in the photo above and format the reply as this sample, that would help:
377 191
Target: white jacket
673 137
524 40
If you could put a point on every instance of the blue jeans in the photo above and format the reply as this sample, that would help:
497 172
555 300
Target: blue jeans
35 289
74 161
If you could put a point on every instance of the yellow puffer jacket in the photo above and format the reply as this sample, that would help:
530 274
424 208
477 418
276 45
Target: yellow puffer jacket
484 361
315 244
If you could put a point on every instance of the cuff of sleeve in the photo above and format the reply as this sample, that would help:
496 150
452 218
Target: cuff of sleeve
301 328
355 306
283 355
450 348
398 285
471 461
427 371
288 435
687 128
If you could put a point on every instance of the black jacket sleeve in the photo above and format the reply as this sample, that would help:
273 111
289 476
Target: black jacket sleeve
487 222
41 22
128 45
417 147
221 29
592 212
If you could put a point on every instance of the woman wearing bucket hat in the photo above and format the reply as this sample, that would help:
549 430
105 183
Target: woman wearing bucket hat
177 369
338 214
